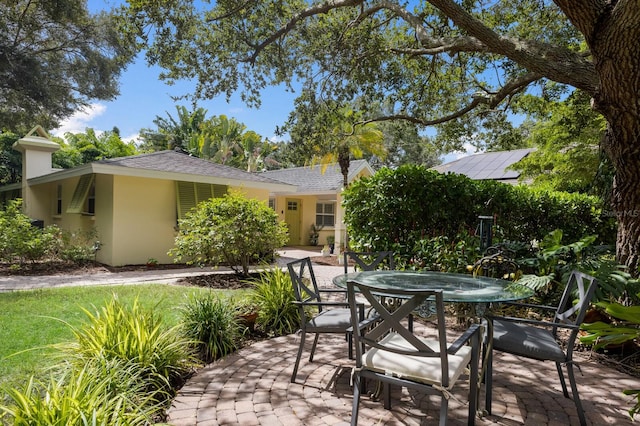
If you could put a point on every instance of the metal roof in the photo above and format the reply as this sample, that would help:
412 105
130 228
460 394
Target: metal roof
487 165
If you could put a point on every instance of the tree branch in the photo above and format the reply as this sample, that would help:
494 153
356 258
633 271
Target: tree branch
489 99
584 14
556 63
290 25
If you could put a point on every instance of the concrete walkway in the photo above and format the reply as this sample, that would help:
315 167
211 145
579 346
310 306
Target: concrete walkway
252 386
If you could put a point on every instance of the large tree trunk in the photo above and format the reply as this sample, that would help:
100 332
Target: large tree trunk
622 146
613 39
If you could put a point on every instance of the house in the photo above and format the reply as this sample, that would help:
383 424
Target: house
487 165
316 200
133 203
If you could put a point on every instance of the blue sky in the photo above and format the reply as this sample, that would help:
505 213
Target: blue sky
143 97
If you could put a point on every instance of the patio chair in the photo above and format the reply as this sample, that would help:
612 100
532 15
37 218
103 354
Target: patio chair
329 317
369 261
540 340
393 355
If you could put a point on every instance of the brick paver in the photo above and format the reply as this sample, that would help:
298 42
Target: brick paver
526 392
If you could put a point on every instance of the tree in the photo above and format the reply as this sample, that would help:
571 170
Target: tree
231 230
54 58
437 62
181 132
83 148
567 157
10 159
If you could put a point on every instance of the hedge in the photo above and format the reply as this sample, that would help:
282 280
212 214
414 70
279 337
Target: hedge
398 208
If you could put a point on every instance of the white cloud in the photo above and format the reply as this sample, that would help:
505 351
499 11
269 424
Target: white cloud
456 155
468 150
79 121
130 138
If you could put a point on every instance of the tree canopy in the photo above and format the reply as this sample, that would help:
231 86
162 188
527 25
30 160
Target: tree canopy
456 64
54 58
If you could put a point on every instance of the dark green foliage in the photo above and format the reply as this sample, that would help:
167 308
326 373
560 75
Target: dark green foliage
273 293
19 240
10 159
212 323
231 230
396 209
56 58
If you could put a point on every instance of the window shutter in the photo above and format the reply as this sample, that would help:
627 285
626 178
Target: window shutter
80 194
189 194
186 196
203 192
219 190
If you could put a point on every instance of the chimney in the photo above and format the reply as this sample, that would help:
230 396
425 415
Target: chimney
36 149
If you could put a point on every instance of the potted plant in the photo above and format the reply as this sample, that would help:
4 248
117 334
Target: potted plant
313 235
247 312
331 242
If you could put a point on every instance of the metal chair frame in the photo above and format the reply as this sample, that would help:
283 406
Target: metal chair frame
331 317
567 316
382 331
368 261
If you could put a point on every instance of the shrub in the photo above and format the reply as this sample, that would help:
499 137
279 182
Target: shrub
79 246
211 322
233 230
20 241
99 393
395 209
133 335
273 292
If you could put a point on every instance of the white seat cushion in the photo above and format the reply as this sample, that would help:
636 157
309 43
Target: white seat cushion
420 369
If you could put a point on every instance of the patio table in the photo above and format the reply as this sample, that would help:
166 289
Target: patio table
479 291
456 288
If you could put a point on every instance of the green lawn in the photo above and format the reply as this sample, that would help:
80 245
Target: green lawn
31 320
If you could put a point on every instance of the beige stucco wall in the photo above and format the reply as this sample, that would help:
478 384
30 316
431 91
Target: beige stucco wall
307 217
141 219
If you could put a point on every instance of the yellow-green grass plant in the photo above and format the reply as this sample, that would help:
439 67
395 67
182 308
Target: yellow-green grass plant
212 322
33 320
136 336
273 293
101 392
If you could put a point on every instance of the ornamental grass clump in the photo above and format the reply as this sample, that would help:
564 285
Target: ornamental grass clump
212 323
137 337
99 393
273 292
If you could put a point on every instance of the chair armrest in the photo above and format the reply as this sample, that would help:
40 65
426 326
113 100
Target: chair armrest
367 322
536 322
463 339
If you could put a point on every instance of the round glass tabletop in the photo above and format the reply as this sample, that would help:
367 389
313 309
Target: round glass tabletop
455 287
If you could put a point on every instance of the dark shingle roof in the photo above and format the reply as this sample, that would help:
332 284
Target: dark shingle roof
311 179
177 162
488 165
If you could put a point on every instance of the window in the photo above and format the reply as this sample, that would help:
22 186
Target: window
79 202
59 200
292 205
272 203
325 214
189 194
91 200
